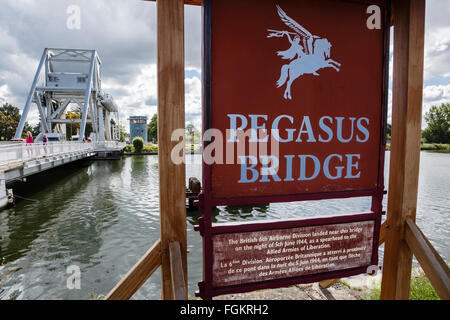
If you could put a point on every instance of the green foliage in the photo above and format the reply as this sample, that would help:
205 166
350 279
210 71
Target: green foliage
153 149
388 131
420 289
9 120
138 144
36 130
27 127
71 128
146 148
122 133
373 293
438 147
435 147
438 121
152 129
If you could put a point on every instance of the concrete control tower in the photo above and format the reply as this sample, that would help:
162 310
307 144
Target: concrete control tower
138 127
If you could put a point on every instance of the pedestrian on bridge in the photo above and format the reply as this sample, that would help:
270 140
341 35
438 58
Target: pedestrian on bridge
44 142
29 143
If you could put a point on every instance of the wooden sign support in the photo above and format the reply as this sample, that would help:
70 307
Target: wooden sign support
409 29
401 235
170 15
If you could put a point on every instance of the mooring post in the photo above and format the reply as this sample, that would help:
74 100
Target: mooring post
3 191
409 29
172 181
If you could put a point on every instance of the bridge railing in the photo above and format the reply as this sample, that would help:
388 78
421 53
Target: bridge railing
110 145
20 152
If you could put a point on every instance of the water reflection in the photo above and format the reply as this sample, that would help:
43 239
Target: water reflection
103 216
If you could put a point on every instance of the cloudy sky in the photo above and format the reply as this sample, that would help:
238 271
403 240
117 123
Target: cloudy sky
124 34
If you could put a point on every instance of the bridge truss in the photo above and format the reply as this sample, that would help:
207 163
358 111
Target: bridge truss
65 77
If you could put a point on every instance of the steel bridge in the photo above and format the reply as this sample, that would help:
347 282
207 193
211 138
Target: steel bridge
18 160
65 79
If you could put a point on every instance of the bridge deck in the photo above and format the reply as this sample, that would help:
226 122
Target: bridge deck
18 160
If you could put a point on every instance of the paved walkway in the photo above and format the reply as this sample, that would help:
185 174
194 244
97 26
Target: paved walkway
337 291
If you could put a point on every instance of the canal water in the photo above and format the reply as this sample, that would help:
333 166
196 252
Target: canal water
101 217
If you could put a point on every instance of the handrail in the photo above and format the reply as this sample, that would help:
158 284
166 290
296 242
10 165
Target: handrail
176 270
21 152
431 262
138 274
26 152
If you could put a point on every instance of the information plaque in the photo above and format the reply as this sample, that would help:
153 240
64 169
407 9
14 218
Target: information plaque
294 109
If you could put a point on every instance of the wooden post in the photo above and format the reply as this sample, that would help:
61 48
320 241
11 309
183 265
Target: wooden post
409 26
172 184
176 270
137 276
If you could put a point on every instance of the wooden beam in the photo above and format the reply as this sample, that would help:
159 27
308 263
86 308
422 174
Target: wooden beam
172 181
176 270
190 2
137 276
432 264
383 230
409 27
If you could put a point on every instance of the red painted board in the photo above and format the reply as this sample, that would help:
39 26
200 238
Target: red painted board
329 121
249 257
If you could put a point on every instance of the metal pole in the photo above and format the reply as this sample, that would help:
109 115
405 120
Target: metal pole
23 118
87 97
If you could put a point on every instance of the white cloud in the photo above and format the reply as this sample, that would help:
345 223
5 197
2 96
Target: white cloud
193 101
436 95
134 97
437 40
124 34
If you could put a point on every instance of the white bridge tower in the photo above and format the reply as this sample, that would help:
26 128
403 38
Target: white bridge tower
65 77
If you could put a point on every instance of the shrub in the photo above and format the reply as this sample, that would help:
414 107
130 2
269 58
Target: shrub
138 144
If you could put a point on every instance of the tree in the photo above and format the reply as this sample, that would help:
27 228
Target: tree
27 127
71 128
122 133
438 124
9 120
36 130
152 129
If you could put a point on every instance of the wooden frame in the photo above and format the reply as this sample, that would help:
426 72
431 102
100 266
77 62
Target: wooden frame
137 276
172 189
409 29
399 232
207 201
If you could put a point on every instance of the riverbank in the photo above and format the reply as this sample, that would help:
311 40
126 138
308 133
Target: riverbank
362 287
151 149
437 147
311 291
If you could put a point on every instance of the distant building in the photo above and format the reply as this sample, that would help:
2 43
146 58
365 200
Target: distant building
138 127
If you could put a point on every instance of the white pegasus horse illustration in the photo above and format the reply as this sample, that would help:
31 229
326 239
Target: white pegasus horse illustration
307 57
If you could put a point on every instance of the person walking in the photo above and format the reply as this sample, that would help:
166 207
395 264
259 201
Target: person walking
44 142
29 143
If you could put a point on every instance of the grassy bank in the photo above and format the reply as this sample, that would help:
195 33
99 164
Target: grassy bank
147 149
438 147
421 288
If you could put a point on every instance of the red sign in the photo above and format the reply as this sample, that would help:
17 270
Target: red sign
285 253
306 76
294 107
